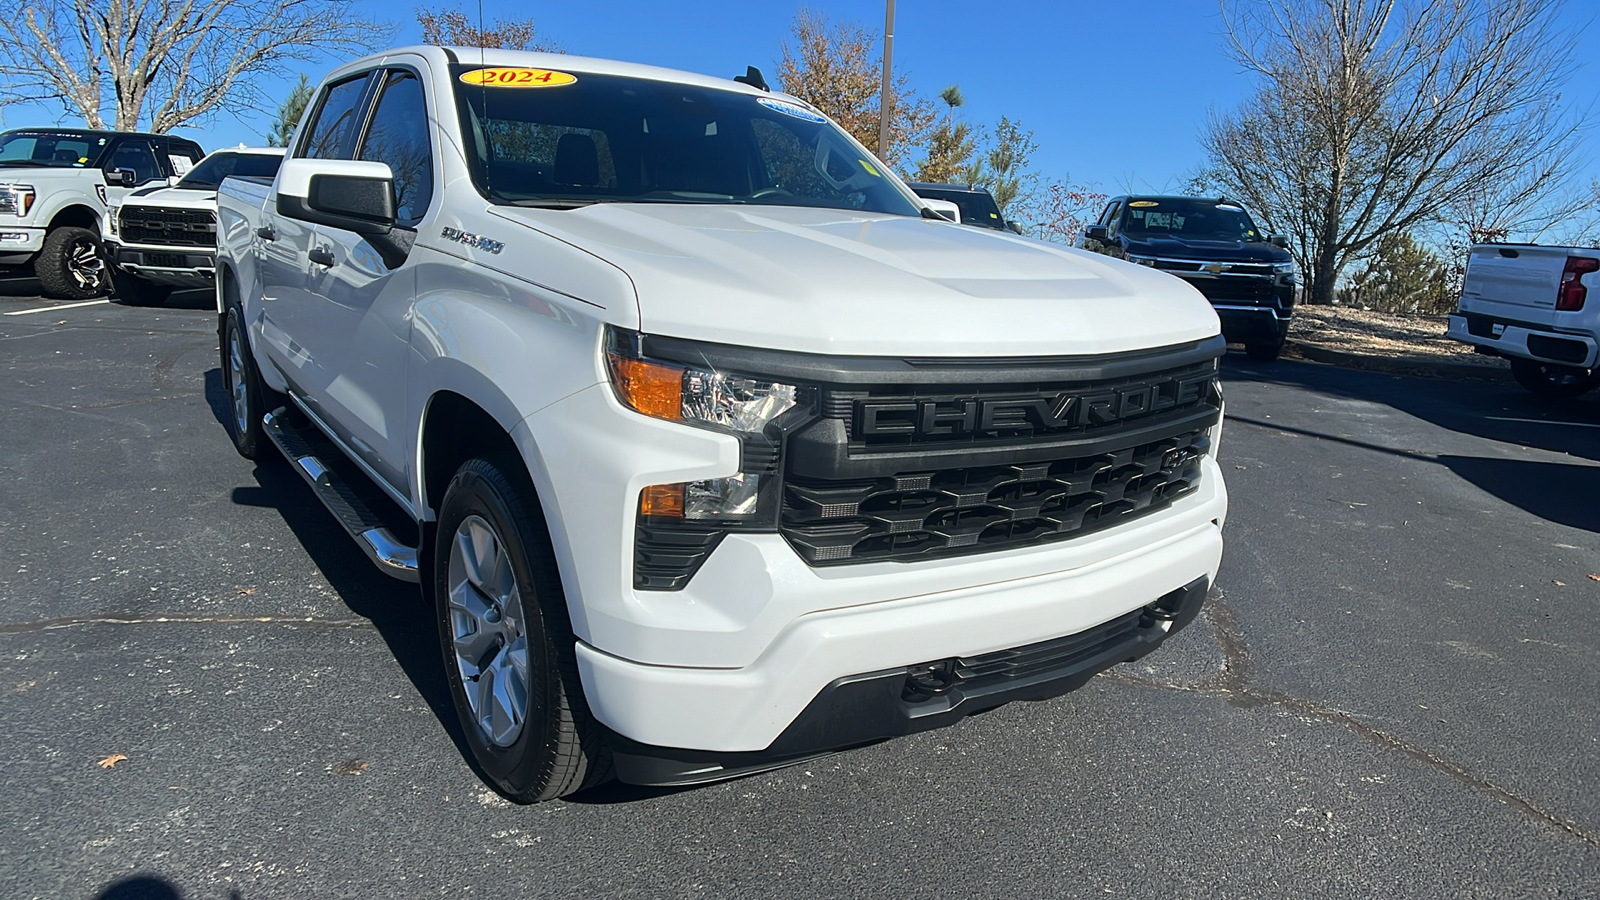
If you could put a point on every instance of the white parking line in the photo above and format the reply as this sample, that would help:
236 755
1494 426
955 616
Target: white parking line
1543 422
23 312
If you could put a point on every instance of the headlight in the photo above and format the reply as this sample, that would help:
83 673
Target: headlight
697 396
722 401
112 216
22 196
1142 260
1283 268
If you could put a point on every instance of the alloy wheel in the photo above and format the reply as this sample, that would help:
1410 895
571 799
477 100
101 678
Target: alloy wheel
488 632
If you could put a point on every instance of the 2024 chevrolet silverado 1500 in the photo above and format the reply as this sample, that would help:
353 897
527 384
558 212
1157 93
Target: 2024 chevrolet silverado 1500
164 237
711 450
55 184
1530 304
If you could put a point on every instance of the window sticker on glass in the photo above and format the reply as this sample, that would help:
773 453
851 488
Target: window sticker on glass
180 164
790 109
870 170
517 77
1143 204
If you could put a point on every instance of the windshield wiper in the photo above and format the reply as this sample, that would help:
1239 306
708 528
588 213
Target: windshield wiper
28 162
550 202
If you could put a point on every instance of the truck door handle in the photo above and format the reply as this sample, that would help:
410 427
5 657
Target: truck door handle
322 256
266 233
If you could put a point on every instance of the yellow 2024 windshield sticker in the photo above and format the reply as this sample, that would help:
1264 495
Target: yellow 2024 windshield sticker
517 77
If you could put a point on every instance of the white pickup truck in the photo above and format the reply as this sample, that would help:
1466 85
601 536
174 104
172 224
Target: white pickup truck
711 447
164 237
55 186
1530 304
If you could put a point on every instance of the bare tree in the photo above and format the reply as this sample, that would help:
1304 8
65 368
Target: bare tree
1375 116
833 67
452 28
165 62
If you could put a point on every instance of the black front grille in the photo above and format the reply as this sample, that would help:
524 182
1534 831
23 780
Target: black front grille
1241 289
168 227
919 515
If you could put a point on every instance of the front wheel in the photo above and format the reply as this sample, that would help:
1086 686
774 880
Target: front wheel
72 264
1551 380
508 647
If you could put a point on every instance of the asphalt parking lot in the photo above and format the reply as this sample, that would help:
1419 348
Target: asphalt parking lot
1394 694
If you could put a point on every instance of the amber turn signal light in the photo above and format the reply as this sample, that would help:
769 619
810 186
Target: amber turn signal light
648 387
662 500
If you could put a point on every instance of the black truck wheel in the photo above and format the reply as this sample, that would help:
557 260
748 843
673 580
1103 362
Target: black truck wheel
1551 380
507 640
72 264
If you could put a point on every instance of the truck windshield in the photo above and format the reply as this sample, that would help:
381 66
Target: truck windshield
542 138
52 149
977 207
223 164
1189 218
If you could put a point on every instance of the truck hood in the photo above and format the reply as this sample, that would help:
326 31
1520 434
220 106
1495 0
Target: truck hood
172 198
842 282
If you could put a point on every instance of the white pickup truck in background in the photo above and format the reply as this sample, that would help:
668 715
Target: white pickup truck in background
711 446
1531 305
160 238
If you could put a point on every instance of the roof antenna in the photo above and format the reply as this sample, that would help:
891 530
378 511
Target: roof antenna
752 76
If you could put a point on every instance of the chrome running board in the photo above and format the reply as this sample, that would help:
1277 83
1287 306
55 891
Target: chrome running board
393 558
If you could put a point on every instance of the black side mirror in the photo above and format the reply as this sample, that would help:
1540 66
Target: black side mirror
1014 227
121 177
1099 233
355 203
1278 240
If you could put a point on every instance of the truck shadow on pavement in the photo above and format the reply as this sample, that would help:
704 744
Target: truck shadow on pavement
1563 493
395 609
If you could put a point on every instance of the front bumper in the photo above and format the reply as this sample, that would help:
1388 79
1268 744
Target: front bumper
177 266
19 244
1251 324
875 706
1508 337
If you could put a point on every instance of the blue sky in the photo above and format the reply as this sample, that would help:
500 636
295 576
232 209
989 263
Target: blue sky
1115 92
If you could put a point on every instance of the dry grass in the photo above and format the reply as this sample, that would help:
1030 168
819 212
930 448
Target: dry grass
1418 338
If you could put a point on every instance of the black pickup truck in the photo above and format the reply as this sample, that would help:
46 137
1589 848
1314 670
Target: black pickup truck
1213 244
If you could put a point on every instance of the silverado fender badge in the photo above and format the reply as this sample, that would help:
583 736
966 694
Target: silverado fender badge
475 241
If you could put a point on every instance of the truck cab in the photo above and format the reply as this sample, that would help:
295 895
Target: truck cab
1214 245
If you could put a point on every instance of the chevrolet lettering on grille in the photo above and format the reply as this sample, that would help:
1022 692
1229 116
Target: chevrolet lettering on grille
1065 411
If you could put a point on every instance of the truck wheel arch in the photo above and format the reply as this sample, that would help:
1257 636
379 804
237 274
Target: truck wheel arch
456 428
75 215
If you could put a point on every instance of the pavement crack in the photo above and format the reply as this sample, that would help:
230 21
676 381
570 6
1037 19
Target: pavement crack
1232 685
74 621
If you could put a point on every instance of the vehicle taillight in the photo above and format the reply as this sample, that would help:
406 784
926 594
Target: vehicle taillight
1572 293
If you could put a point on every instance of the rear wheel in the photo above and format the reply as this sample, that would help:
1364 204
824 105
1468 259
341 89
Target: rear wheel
507 641
135 291
248 399
72 264
1551 380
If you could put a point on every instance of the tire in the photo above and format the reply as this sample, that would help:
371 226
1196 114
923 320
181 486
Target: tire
248 398
1264 351
1551 380
72 264
492 559
135 291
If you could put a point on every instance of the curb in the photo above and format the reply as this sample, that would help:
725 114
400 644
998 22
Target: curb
1402 366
